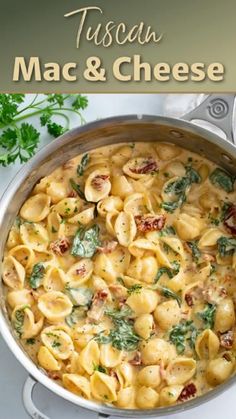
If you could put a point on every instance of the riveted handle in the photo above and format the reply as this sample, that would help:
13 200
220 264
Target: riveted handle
27 396
218 110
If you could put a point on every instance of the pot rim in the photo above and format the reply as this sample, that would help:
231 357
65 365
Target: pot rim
5 200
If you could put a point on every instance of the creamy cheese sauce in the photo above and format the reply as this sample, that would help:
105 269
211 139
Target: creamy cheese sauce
120 275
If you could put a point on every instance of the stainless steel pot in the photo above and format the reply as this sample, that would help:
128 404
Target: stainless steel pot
217 109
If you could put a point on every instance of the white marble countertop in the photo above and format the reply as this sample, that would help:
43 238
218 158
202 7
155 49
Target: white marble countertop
12 374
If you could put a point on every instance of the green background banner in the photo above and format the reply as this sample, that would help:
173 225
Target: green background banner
200 31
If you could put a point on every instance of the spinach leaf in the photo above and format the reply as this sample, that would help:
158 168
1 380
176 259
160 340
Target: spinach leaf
85 242
179 187
222 179
122 337
226 245
117 314
182 333
196 254
171 272
37 275
77 188
168 293
167 231
79 296
208 316
75 316
83 164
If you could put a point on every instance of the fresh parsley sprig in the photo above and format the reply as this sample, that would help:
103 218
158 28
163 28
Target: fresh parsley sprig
19 140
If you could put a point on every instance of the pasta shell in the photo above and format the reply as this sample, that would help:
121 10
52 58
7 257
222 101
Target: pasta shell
207 345
126 398
68 207
138 247
180 370
110 204
110 357
80 272
188 227
143 302
24 255
58 342
84 217
167 151
34 236
125 228
54 279
13 273
46 360
20 298
97 185
147 398
150 376
209 238
77 384
103 387
55 305
25 322
55 226
170 394
135 204
36 208
125 374
157 351
143 325
89 357
121 186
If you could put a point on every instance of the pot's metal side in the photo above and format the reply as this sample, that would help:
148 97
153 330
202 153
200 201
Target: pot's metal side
108 131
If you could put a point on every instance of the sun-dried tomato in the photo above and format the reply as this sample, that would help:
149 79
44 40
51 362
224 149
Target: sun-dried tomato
188 391
60 246
149 166
227 339
107 246
150 222
189 300
137 359
230 219
98 181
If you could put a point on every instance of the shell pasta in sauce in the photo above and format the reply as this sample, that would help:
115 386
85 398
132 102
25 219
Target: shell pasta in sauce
120 275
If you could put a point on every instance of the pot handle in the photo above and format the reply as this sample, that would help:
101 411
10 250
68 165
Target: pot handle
218 110
27 397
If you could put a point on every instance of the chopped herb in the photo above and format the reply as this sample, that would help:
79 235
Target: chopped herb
56 344
226 246
83 164
171 272
213 220
135 289
85 242
196 254
37 275
30 341
222 179
99 368
77 188
208 316
182 333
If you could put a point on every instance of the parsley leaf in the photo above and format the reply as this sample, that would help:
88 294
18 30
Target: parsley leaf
226 245
19 140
